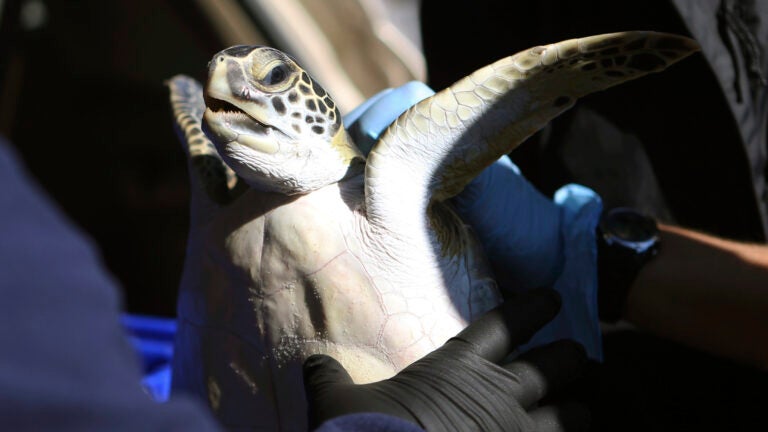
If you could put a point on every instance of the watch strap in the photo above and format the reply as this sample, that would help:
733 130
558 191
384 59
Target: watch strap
618 265
617 269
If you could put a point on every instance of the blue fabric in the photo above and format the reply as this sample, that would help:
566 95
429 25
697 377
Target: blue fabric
537 241
152 338
369 422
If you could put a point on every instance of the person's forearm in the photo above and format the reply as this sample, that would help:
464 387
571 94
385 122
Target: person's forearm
705 292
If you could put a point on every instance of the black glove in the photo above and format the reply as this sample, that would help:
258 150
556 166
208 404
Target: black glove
459 386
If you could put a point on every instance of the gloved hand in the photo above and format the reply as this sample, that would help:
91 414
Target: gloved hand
460 386
530 240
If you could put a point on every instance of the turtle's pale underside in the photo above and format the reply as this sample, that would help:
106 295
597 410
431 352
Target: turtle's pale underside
330 251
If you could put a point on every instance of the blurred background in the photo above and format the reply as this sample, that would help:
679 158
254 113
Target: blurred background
82 99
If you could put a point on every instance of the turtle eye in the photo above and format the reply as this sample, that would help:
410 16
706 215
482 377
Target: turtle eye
277 75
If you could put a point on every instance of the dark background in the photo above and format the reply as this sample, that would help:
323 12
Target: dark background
699 171
84 103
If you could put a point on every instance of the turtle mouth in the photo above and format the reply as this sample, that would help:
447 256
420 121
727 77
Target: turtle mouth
225 123
237 118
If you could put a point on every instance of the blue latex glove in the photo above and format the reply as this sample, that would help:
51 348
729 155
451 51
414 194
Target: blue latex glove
531 240
366 122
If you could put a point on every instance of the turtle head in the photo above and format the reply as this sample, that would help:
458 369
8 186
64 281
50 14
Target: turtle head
273 124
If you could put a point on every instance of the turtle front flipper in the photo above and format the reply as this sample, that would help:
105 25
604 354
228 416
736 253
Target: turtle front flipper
439 145
217 180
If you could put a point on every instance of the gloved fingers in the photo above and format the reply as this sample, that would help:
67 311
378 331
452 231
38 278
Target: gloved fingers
481 191
323 376
495 334
370 119
321 372
546 368
331 393
353 116
517 225
566 417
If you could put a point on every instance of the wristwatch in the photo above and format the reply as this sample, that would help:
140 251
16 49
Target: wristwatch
626 241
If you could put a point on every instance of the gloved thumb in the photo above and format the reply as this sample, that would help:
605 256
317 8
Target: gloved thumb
324 383
322 372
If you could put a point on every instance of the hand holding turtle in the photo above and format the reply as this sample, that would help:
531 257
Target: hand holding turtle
531 240
461 386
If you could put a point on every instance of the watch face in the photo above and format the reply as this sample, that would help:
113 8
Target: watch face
628 225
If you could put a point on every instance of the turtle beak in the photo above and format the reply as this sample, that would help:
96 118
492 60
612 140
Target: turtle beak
228 87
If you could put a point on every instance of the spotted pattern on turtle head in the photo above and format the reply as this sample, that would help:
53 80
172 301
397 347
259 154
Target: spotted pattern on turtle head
256 75
314 106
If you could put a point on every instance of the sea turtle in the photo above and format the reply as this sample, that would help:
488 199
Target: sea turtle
330 251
